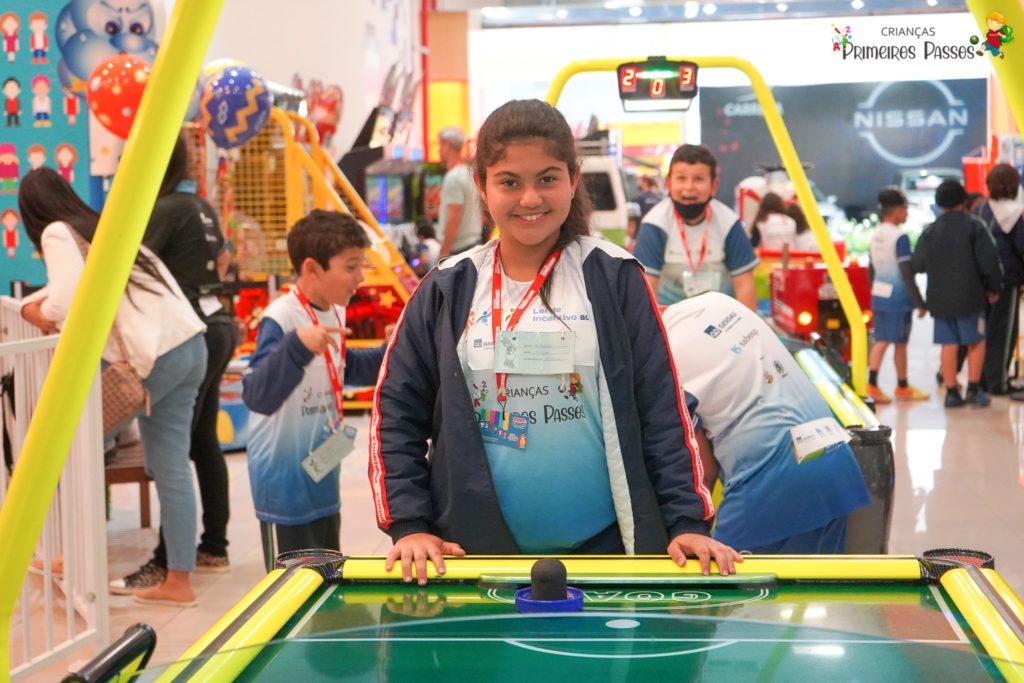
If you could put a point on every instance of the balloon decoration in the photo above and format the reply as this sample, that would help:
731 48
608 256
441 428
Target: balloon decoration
114 91
216 66
235 105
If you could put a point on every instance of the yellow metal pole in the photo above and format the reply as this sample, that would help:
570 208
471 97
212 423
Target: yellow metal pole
118 236
858 329
293 194
1008 69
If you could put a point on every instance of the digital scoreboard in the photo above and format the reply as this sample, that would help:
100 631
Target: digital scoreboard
657 83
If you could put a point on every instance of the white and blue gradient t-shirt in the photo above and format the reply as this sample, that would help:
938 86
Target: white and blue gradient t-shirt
889 247
659 246
750 393
555 492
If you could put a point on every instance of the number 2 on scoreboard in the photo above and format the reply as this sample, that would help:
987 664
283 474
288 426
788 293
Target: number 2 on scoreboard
629 79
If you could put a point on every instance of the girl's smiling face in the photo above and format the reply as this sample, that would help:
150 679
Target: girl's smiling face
528 193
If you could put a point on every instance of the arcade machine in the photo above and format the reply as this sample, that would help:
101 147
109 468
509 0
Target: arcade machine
374 135
398 193
804 303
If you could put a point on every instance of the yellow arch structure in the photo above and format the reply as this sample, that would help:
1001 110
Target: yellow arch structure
119 234
858 329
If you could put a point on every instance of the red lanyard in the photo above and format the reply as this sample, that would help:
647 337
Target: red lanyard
496 313
703 240
332 370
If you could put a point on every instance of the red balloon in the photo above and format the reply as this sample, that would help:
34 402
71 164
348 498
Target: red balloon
114 91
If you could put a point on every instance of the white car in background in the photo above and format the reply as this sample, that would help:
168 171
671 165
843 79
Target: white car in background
919 185
604 182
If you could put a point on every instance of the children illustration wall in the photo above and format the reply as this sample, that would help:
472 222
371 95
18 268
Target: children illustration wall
49 50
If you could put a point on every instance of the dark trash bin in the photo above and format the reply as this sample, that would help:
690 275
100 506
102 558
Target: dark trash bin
867 529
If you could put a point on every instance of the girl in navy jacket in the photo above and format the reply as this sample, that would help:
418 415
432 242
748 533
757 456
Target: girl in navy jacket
527 402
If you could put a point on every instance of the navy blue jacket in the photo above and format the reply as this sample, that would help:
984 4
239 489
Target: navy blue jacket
421 394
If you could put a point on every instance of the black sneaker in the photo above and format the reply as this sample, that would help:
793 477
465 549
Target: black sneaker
148 575
978 398
954 399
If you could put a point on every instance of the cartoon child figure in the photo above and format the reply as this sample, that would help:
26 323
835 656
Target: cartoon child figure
573 388
9 25
999 34
9 219
510 351
71 105
12 106
479 394
65 155
8 168
39 43
36 156
41 104
841 40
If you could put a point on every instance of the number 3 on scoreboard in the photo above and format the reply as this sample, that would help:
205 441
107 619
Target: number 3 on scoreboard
686 73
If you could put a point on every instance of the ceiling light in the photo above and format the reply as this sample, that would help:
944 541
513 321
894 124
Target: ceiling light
710 8
635 11
782 7
933 3
562 14
857 4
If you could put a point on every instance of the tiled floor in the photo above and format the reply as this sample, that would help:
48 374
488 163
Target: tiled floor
959 479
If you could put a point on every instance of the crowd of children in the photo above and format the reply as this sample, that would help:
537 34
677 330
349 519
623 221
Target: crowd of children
511 350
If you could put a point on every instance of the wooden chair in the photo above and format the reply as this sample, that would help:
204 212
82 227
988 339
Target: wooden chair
126 466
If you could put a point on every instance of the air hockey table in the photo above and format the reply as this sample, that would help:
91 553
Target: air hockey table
780 618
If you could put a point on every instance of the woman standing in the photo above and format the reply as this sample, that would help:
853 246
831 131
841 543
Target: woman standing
164 343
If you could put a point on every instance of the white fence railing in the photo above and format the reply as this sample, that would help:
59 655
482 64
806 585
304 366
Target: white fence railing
64 604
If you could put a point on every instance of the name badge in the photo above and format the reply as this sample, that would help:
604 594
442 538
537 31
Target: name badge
209 304
883 290
695 284
328 455
812 438
534 353
504 428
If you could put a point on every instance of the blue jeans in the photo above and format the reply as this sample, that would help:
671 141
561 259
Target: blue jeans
166 435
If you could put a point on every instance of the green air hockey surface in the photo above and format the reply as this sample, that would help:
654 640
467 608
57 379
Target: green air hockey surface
399 633
782 618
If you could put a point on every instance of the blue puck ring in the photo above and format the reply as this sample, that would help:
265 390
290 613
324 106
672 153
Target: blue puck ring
573 603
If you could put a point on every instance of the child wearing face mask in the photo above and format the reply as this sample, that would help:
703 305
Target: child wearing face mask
537 369
691 243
